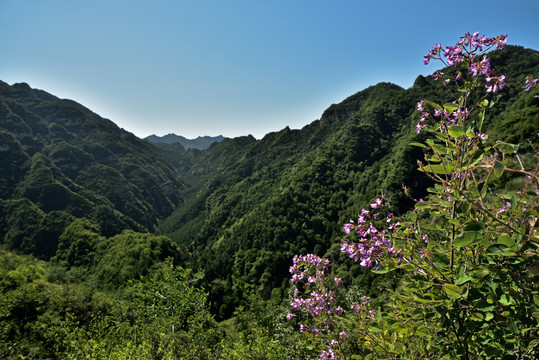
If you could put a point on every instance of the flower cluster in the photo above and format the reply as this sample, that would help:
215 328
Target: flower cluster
373 244
318 301
445 118
466 47
303 267
327 354
495 83
362 306
470 52
315 303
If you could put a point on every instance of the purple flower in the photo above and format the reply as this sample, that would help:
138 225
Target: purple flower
482 136
434 52
348 227
495 83
421 105
377 202
500 41
329 354
480 68
530 83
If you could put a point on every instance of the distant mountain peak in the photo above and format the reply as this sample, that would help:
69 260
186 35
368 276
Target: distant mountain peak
201 142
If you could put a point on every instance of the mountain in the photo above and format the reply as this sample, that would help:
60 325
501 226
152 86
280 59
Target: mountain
60 161
241 208
253 204
200 143
81 195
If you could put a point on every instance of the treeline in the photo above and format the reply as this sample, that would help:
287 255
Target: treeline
124 297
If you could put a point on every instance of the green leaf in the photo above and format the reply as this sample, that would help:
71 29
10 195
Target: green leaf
374 329
506 148
439 148
499 168
438 169
418 144
506 299
423 205
456 131
484 306
477 317
450 107
407 267
498 249
467 238
473 226
434 158
429 227
481 119
453 291
463 280
434 105
506 240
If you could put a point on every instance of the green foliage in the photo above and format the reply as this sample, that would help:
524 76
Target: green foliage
163 316
260 330
77 244
130 256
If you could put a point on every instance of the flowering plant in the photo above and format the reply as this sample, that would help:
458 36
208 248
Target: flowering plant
469 251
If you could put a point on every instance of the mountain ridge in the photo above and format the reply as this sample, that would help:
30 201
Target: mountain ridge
200 143
59 156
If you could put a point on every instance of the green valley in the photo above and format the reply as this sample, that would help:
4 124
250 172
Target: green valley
116 247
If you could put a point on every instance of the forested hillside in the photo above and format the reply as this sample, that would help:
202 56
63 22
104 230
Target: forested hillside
95 221
255 204
60 162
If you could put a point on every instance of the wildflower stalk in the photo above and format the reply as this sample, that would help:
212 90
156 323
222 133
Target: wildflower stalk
469 287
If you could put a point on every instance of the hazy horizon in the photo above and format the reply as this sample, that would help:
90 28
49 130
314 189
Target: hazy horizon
233 68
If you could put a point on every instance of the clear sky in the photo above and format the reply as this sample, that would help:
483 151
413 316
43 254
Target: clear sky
234 67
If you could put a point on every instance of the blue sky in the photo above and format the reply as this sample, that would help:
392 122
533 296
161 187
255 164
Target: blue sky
234 67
